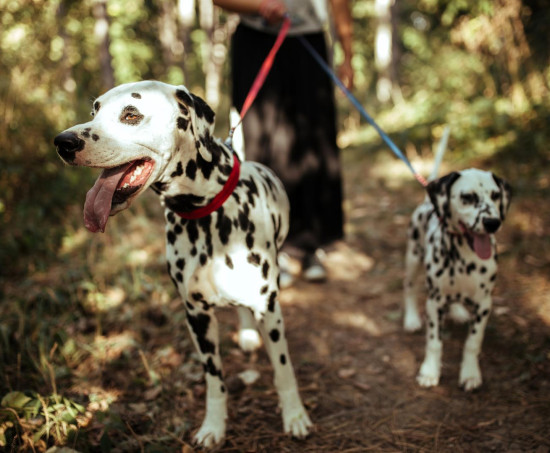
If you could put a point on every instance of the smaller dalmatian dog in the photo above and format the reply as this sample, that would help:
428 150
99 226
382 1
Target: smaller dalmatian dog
225 222
452 235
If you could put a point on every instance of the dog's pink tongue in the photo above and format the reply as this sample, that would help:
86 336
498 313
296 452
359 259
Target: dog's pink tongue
482 246
98 199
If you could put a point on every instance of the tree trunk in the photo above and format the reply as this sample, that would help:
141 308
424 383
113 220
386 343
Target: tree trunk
67 79
172 48
214 51
101 33
385 55
186 17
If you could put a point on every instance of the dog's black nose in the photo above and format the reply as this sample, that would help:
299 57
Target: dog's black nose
491 225
68 144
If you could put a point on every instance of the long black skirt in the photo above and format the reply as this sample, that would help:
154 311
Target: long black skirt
291 128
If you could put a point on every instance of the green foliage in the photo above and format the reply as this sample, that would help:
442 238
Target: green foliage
52 416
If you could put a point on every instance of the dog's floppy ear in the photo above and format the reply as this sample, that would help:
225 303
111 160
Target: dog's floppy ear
439 192
505 195
197 117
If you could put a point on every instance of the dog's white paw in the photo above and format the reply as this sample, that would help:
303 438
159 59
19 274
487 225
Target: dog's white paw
459 314
412 322
297 423
470 376
210 434
249 340
428 376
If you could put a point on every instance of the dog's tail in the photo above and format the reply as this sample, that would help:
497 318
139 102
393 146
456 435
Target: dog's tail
440 152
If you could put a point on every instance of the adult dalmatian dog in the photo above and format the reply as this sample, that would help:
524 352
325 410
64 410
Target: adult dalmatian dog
225 222
451 235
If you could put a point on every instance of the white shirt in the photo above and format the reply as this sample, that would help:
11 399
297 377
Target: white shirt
307 16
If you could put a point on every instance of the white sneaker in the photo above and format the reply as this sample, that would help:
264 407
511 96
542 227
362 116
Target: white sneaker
312 267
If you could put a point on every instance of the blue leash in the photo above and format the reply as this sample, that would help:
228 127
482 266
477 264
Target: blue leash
362 111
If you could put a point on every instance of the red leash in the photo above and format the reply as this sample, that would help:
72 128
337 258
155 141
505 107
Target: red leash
260 77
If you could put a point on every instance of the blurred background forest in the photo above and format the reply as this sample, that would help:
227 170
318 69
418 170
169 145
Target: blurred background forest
480 66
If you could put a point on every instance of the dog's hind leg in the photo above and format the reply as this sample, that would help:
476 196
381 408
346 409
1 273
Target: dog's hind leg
203 327
411 316
470 373
248 337
295 418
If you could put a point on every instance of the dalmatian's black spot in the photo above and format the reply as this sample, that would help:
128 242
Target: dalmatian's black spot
193 251
265 270
199 324
202 259
223 225
254 259
178 171
482 269
179 277
204 166
180 264
191 170
97 106
283 359
250 241
271 302
470 268
274 335
228 262
178 229
243 217
171 237
263 289
183 123
211 369
192 232
136 95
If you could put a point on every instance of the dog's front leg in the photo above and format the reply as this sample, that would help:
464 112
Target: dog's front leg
203 326
470 373
295 418
428 376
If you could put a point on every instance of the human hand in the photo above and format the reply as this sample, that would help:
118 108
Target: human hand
272 11
345 72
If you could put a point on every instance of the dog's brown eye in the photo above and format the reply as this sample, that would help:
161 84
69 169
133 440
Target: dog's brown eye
131 115
495 196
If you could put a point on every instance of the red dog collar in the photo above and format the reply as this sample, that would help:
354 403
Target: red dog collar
220 198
